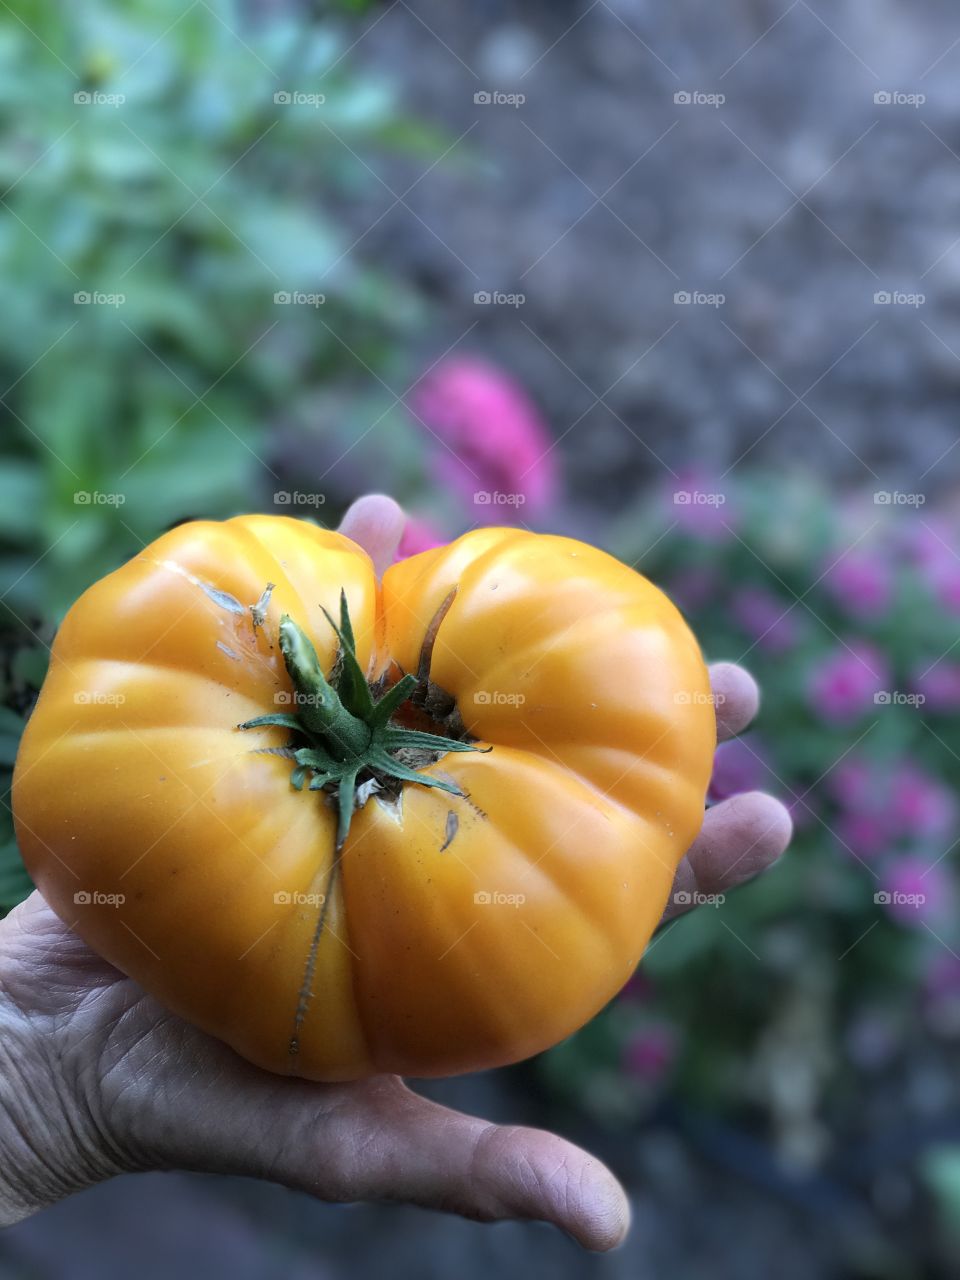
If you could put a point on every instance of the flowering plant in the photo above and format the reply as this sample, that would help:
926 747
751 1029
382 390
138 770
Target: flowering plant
845 958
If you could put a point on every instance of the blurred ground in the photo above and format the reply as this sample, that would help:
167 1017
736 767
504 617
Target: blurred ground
599 197
150 1224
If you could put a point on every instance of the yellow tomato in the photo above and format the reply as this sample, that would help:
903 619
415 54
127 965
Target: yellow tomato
463 916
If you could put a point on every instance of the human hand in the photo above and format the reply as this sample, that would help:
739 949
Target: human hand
96 1078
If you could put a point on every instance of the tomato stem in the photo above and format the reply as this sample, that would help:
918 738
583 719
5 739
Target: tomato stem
341 734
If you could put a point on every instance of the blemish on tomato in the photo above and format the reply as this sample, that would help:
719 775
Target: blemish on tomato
450 830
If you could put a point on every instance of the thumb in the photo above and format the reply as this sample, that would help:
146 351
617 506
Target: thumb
376 523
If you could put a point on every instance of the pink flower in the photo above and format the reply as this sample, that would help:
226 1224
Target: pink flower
920 805
862 584
939 685
916 891
880 806
765 618
650 1052
864 835
492 445
419 535
933 547
928 542
843 685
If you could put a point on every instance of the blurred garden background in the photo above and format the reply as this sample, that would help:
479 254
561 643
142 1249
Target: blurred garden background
684 282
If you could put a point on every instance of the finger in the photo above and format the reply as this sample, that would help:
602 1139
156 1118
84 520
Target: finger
736 698
376 1140
740 838
376 523
422 1153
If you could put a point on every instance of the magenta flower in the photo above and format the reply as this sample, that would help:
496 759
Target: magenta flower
419 535
843 685
864 835
916 891
928 542
882 805
492 445
765 618
920 805
650 1052
862 584
939 685
934 551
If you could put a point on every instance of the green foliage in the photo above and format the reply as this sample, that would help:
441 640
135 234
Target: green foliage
166 170
145 160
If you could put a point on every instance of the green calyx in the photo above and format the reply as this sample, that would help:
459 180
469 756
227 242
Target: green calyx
344 740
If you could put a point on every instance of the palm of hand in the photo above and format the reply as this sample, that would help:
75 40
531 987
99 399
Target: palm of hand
134 1087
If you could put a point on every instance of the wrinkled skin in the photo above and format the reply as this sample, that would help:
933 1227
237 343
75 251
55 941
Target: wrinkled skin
96 1078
